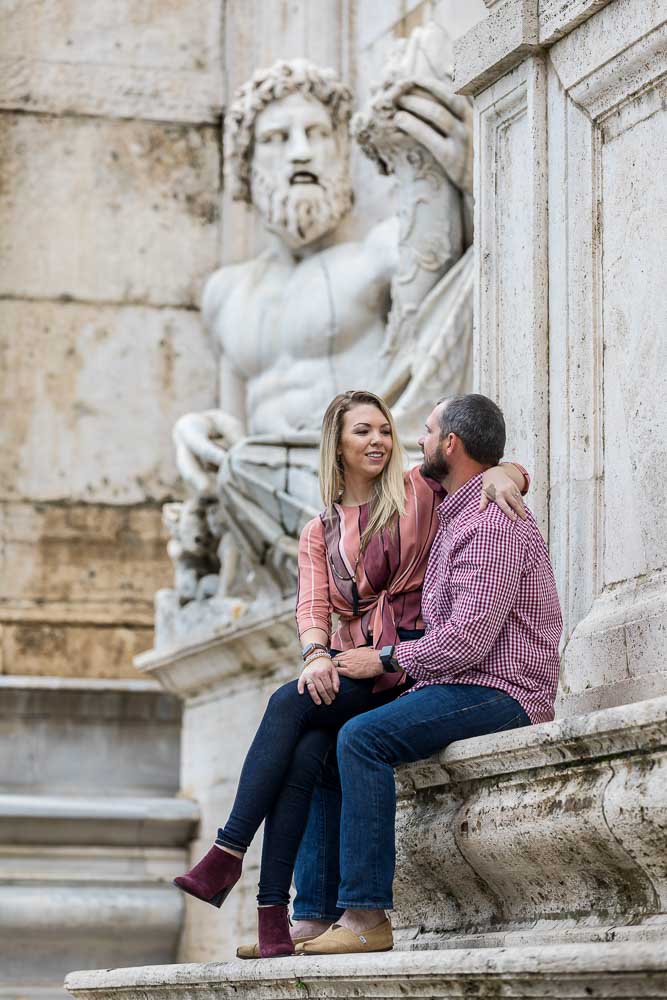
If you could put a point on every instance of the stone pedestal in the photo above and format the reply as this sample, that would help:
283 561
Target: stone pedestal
225 683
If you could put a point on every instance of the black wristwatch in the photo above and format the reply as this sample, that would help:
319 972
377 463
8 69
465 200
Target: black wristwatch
311 647
390 664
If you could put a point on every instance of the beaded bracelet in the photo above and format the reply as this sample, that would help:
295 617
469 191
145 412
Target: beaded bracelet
315 656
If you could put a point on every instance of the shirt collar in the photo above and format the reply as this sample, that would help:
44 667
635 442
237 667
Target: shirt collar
454 503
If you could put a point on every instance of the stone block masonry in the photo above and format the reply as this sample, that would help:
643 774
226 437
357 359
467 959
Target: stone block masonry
109 223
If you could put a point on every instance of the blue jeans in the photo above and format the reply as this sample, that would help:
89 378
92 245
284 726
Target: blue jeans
347 856
282 768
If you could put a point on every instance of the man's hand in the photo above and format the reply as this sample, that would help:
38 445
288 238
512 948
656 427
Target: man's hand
499 488
359 663
433 115
320 678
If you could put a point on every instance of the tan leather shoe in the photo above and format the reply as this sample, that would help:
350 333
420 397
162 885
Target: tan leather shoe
252 950
342 941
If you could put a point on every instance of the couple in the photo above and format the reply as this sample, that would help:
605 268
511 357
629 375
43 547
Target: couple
440 596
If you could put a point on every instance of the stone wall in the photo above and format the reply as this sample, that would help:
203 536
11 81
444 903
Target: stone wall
111 217
109 222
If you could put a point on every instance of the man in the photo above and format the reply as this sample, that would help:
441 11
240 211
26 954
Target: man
488 662
313 314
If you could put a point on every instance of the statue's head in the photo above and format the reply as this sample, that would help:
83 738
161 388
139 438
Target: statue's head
287 149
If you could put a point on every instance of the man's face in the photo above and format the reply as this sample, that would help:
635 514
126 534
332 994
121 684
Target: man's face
433 444
299 179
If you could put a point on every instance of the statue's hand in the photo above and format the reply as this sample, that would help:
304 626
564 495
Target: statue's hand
433 115
202 441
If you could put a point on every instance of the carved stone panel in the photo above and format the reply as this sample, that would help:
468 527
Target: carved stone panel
570 312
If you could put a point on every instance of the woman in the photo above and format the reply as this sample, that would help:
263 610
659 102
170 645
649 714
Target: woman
363 559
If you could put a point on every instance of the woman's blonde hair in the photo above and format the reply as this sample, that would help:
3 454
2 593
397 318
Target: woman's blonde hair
387 501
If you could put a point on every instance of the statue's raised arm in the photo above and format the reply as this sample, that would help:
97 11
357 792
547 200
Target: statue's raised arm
420 131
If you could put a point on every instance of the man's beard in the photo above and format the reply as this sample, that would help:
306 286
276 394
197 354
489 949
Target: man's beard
301 213
436 467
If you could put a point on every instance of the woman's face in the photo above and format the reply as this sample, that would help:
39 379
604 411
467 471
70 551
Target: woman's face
365 443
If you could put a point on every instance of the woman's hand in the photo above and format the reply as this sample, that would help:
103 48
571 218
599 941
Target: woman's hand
320 678
499 487
359 663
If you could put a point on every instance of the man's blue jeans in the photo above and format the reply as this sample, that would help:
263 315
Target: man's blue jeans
347 856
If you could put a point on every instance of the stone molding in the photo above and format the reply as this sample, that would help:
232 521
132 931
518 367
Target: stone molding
517 102
638 728
574 971
513 30
257 644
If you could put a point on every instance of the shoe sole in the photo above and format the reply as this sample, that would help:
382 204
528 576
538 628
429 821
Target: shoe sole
254 958
216 900
373 951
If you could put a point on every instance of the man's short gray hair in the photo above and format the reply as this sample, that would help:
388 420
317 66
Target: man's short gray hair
266 86
478 422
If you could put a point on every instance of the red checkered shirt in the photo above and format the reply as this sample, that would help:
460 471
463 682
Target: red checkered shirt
489 605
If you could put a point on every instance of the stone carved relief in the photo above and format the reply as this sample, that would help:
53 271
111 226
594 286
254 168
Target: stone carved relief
313 315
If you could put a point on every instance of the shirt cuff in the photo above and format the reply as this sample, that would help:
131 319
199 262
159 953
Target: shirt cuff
405 654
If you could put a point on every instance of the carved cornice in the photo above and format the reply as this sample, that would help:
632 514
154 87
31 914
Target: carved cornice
513 30
257 644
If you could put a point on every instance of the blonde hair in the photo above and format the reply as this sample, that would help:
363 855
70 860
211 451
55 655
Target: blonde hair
387 501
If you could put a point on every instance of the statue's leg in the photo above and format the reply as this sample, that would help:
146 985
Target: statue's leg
268 491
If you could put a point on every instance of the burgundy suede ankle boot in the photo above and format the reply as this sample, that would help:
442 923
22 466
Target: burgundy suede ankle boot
213 878
274 935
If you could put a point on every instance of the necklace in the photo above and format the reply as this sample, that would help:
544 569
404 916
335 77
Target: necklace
350 578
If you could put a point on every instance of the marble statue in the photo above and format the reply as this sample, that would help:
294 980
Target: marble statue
313 315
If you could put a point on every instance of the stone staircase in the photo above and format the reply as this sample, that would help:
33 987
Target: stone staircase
531 863
91 830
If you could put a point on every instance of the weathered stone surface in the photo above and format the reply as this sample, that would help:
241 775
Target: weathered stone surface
80 563
90 831
123 735
139 60
567 971
496 45
226 682
107 211
50 819
93 395
566 184
524 820
102 651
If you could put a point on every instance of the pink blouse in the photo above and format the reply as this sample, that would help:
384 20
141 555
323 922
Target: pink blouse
375 593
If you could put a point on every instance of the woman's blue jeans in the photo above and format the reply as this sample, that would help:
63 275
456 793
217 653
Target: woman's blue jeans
347 856
281 770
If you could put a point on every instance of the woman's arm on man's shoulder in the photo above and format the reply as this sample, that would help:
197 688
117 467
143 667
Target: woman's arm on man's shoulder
504 485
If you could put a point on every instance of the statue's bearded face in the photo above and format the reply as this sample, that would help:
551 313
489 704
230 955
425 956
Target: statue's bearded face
300 183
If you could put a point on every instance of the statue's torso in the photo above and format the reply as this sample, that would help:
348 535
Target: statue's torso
300 333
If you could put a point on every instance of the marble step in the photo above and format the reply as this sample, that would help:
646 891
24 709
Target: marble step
62 736
557 972
60 819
